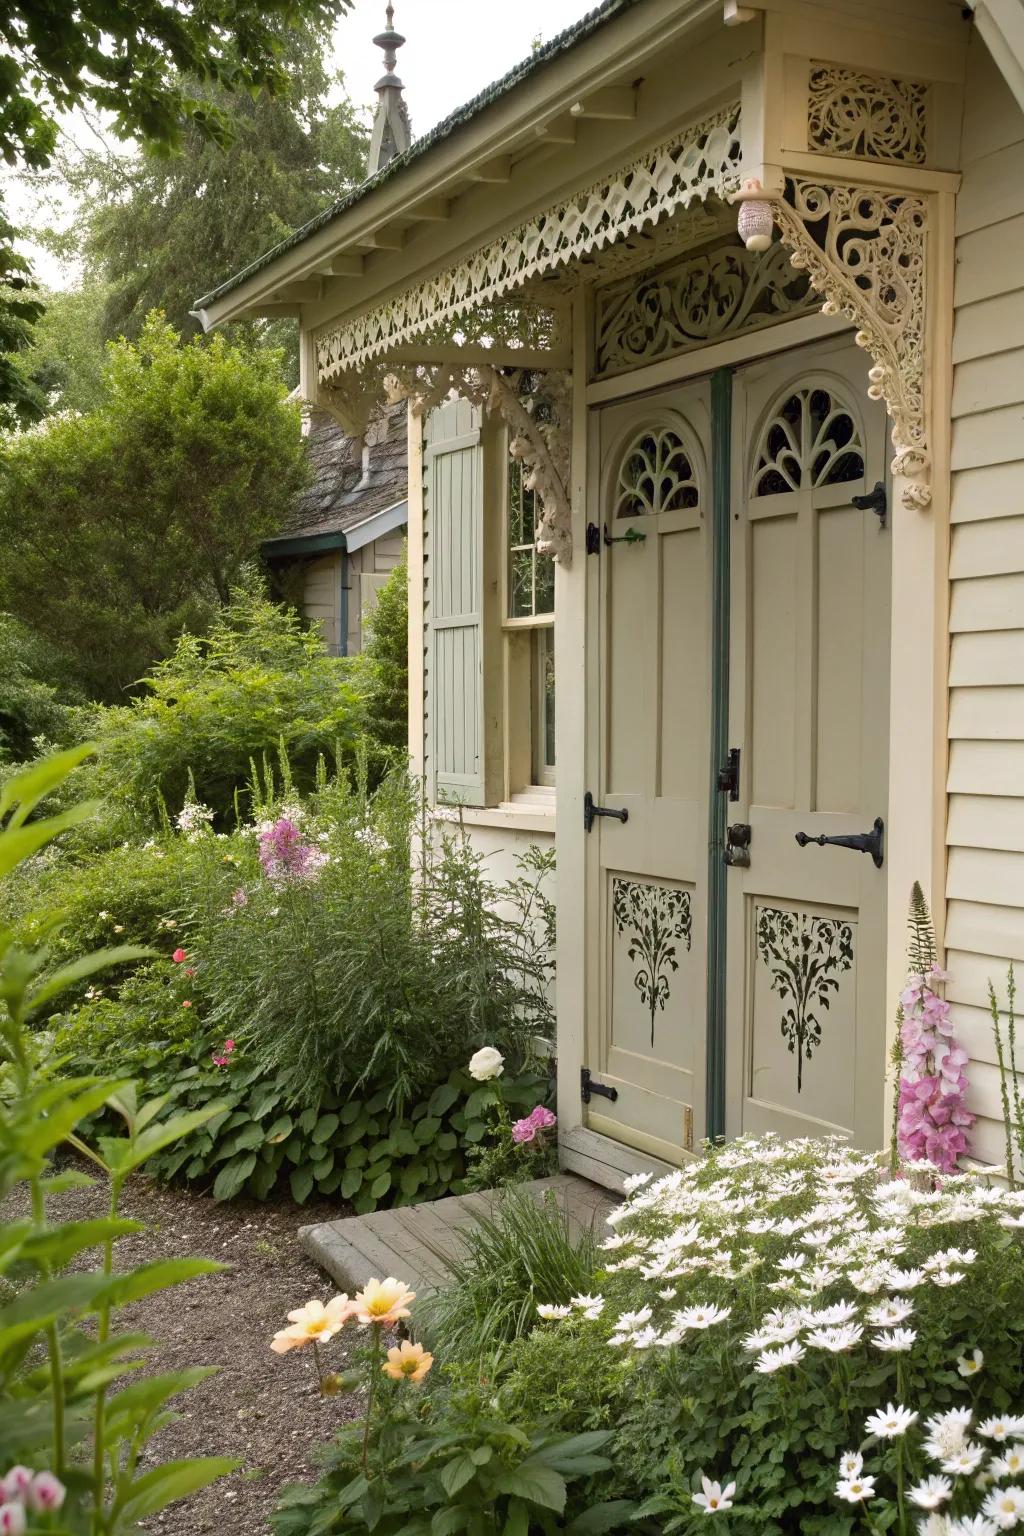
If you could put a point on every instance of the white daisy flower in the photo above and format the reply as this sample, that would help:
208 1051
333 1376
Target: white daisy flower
630 1322
842 1312
1005 1506
930 1493
636 1181
835 1340
551 1313
997 1428
644 1338
972 1525
905 1279
701 1317
970 1365
851 1464
896 1340
1010 1463
966 1460
948 1277
886 1314
774 1359
1013 1222
855 1489
890 1421
587 1303
714 1498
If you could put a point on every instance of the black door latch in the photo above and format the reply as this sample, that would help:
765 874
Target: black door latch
737 845
588 1087
872 842
590 811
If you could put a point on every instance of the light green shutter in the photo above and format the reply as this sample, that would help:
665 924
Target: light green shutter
453 464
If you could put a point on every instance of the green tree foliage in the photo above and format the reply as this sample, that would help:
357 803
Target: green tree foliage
161 231
136 63
385 664
30 707
123 527
257 681
65 353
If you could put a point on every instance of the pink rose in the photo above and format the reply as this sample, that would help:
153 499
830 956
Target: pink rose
178 956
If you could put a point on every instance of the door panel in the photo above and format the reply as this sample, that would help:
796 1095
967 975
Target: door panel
809 653
649 704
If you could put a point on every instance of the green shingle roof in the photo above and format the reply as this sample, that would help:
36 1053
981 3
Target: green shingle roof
449 125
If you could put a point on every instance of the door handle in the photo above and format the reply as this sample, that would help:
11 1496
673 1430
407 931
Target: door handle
737 845
872 842
591 810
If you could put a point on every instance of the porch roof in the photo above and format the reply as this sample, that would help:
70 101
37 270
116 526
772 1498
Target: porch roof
463 115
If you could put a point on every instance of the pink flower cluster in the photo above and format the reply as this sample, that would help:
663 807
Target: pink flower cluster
224 1058
539 1119
932 1120
285 857
23 1492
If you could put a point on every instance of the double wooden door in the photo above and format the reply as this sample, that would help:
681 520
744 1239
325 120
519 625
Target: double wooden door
738 654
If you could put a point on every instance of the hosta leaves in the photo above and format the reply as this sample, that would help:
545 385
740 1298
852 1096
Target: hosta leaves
230 1181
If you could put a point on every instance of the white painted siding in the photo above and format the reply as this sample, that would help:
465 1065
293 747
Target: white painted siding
985 828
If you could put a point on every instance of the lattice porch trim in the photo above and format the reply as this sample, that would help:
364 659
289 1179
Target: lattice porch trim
702 160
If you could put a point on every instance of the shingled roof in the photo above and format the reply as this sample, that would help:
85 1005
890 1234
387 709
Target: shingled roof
340 498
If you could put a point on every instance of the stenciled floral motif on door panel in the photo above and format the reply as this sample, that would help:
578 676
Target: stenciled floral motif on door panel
656 920
805 956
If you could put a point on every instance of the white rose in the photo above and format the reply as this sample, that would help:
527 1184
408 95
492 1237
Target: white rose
487 1063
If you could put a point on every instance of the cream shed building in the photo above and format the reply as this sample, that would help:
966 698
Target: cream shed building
716 550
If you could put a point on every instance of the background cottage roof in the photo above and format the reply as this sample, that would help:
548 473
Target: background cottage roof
340 496
443 130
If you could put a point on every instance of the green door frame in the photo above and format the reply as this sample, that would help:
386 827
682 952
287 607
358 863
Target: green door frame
721 465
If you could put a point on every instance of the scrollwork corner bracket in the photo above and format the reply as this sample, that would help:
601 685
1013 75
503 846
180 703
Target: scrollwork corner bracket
864 252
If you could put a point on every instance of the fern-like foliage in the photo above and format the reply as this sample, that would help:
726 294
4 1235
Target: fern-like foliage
921 948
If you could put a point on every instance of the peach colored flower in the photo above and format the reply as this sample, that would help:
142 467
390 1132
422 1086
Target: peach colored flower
313 1323
409 1362
383 1301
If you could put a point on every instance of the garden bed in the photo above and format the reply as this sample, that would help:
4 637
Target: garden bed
263 1410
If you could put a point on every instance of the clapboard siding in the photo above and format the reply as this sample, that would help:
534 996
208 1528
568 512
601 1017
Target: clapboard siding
985 824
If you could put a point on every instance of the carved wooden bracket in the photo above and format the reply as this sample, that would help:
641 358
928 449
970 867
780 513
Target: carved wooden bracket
535 406
864 250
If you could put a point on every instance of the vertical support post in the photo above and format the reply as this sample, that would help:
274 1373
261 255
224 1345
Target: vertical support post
721 464
417 578
575 735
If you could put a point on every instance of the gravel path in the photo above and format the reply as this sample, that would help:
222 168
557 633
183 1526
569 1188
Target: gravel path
261 1408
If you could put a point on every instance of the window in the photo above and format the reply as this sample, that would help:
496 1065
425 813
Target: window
531 576
530 606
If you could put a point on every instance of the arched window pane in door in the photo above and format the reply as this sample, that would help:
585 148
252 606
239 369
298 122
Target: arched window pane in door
811 438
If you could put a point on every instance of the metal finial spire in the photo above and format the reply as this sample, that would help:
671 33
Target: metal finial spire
392 132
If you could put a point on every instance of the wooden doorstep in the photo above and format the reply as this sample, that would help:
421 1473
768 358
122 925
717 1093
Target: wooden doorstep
416 1243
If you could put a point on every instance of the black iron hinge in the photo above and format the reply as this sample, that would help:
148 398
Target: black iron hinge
593 539
588 1088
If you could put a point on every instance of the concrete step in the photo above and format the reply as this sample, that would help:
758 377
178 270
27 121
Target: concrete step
416 1243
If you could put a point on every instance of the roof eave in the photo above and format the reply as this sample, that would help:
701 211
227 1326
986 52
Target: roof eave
590 64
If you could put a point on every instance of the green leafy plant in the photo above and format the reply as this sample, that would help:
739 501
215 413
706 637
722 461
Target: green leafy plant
1009 1073
527 1252
65 1408
433 1463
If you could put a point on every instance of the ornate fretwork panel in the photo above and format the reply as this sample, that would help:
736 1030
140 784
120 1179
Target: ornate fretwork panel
656 475
871 117
699 299
811 438
864 251
703 159
806 957
657 923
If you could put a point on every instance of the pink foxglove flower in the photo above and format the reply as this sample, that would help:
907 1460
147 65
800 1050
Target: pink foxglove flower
932 1120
